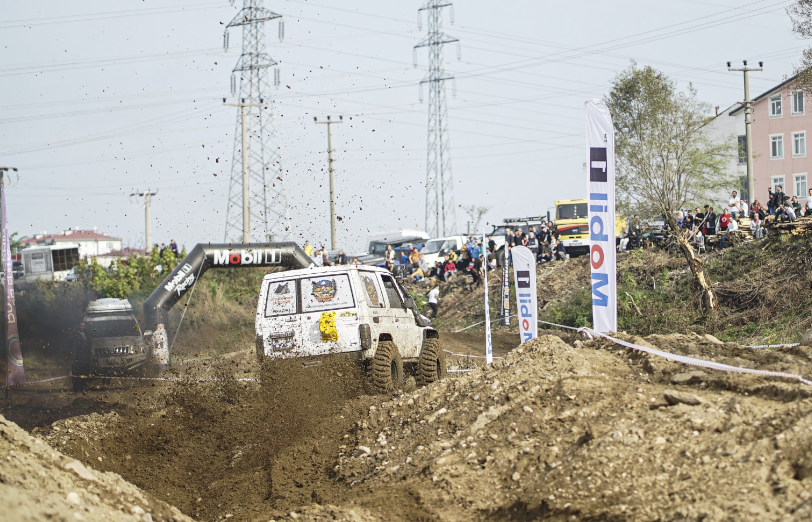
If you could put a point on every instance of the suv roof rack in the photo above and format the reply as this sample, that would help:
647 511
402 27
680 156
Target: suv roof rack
108 305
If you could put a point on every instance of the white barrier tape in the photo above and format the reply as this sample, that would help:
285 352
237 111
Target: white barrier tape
461 371
174 379
702 363
40 381
791 345
477 324
560 326
467 355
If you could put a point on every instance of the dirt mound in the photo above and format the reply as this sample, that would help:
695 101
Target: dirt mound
553 431
47 485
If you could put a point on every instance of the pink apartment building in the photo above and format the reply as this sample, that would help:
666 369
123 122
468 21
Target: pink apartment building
781 123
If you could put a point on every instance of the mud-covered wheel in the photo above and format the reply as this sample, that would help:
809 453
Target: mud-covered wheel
386 368
431 367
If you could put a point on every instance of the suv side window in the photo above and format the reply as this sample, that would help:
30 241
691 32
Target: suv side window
371 290
391 292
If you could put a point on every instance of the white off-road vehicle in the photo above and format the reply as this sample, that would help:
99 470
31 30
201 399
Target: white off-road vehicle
358 311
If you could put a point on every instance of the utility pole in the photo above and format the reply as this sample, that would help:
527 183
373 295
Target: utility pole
258 187
330 169
748 121
246 183
147 199
441 211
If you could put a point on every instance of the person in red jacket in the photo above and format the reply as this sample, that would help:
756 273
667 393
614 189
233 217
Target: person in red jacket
724 221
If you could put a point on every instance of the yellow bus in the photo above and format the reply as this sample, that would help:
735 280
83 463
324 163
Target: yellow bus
572 222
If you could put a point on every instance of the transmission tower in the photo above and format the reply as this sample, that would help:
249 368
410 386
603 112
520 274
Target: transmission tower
268 214
441 212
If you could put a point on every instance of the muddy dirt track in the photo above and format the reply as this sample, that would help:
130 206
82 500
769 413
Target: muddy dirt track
555 430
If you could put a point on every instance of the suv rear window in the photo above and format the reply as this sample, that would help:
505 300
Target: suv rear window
281 298
326 292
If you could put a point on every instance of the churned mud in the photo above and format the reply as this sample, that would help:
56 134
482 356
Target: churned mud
558 429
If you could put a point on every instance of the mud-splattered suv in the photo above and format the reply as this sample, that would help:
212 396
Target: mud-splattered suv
109 342
358 311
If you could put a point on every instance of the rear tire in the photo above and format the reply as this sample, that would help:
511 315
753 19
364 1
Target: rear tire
431 367
386 368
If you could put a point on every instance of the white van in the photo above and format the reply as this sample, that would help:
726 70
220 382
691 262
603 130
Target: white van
361 312
438 249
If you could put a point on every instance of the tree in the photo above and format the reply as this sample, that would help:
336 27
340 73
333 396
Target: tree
801 15
475 214
664 159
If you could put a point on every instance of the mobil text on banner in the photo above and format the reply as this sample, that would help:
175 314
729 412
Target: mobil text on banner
600 156
524 276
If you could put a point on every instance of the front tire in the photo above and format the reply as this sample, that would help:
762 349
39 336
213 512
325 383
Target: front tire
386 368
431 367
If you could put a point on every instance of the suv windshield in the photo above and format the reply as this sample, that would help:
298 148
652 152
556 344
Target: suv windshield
571 211
433 246
116 326
377 248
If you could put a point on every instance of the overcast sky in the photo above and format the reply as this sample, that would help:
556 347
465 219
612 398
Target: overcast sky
101 99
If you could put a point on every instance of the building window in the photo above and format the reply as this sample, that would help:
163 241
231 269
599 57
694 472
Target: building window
742 150
775 181
777 146
799 143
800 185
775 106
797 102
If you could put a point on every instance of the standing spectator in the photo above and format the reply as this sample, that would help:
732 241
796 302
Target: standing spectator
624 241
710 222
341 258
434 301
520 239
317 257
174 247
390 255
809 203
163 249
355 261
734 205
308 249
492 243
325 259
724 221
755 226
476 270
689 221
777 199
533 244
636 232
508 238
476 250
414 257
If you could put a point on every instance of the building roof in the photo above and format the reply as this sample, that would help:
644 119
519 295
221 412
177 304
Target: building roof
767 93
71 236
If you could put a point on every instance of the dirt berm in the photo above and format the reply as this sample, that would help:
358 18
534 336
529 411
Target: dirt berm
40 483
553 431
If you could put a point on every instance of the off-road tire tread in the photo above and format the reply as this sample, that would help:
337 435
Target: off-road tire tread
428 370
380 368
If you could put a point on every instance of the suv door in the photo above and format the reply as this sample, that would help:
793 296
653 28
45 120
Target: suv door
408 337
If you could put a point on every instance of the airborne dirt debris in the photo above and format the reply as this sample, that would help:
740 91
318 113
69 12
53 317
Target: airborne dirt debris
553 431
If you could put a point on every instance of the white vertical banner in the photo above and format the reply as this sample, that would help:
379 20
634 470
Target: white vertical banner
600 157
488 340
524 277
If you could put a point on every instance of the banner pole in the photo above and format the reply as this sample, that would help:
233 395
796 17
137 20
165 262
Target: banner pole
488 340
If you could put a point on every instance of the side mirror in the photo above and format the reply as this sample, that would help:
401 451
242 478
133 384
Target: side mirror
408 301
